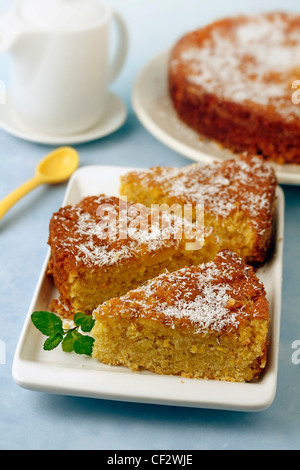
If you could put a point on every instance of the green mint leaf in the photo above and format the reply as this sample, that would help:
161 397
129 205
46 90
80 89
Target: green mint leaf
83 344
53 341
51 325
47 323
68 342
86 322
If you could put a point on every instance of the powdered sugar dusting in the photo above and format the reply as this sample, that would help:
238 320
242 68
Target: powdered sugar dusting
255 60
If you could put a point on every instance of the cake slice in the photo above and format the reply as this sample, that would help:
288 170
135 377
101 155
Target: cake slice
208 321
103 247
237 197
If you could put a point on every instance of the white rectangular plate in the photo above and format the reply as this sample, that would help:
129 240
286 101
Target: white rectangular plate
71 374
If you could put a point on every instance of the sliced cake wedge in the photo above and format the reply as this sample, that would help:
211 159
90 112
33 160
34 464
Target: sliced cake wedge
103 247
237 197
208 321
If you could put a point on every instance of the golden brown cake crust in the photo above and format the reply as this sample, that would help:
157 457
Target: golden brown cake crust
104 246
245 185
232 81
217 296
79 236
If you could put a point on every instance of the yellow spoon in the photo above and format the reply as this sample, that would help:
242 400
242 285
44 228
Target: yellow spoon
55 168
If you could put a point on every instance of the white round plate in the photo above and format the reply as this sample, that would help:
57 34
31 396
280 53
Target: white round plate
115 117
154 109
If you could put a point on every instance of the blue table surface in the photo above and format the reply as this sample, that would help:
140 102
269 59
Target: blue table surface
35 420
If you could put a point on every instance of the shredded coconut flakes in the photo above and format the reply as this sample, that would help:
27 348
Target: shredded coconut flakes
253 62
199 295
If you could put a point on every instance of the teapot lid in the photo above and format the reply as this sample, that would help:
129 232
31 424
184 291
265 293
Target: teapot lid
63 14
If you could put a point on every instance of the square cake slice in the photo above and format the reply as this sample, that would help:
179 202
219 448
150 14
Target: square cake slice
208 321
103 247
237 197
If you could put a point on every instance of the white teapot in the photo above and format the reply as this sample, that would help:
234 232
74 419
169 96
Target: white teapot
60 62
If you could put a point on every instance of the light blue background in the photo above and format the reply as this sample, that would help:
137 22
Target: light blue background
32 420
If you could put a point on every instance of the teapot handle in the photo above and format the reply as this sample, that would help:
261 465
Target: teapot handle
12 28
122 48
8 33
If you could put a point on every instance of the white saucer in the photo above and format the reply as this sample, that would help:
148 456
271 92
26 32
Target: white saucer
114 118
154 109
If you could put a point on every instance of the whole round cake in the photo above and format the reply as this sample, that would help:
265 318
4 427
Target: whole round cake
235 81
